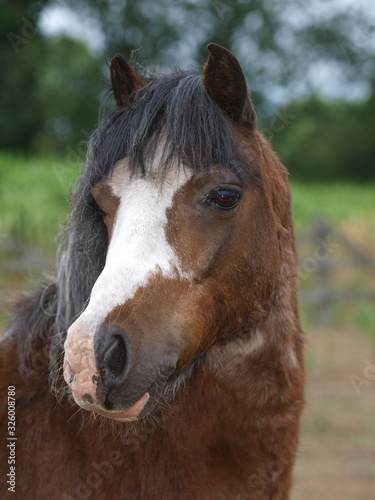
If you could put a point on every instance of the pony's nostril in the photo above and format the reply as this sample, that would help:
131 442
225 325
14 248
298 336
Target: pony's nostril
113 355
115 358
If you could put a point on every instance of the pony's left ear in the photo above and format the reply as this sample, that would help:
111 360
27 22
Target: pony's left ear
125 80
225 82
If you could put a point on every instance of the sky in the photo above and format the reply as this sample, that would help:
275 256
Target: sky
322 76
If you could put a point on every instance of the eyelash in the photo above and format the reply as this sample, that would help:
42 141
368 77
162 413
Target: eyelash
209 199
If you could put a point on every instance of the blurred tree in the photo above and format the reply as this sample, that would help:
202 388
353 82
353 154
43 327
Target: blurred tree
68 91
49 92
20 113
329 141
283 45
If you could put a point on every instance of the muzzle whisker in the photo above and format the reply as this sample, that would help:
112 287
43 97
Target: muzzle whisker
74 414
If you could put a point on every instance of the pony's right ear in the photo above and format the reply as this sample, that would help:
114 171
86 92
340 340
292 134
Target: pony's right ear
125 80
225 82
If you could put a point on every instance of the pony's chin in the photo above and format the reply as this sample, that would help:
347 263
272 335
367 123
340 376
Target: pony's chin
131 414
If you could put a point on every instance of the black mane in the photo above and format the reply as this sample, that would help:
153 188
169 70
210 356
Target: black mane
195 132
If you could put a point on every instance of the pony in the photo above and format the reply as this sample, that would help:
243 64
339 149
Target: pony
165 359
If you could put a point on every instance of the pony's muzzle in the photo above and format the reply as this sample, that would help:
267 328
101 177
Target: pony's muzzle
96 363
109 375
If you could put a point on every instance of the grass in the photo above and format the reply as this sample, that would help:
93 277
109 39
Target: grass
349 206
34 205
337 202
34 195
338 428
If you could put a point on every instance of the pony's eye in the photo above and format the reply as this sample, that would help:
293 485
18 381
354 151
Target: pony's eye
224 199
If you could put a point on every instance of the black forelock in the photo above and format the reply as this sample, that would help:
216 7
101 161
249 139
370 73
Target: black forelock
176 107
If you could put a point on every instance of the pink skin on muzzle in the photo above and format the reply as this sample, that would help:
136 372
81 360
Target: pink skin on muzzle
131 413
81 375
79 363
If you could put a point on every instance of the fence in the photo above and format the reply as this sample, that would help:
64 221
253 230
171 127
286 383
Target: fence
17 257
324 253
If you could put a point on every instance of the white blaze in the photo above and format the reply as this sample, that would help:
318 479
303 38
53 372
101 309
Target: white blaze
139 247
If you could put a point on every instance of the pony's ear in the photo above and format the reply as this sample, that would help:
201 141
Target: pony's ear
125 80
225 82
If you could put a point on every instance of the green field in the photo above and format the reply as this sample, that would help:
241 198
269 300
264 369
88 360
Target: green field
34 195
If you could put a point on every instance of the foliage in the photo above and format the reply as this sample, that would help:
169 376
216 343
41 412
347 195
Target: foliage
283 43
68 97
50 87
49 91
329 141
34 194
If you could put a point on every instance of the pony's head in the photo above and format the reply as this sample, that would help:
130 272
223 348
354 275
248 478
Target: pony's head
185 206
